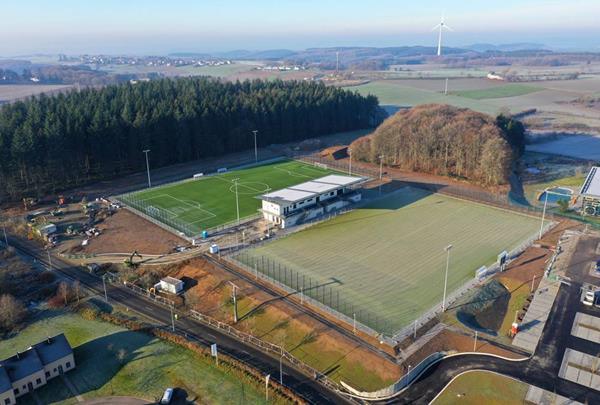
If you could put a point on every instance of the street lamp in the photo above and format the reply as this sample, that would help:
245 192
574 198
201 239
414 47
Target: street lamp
255 146
381 166
447 249
145 151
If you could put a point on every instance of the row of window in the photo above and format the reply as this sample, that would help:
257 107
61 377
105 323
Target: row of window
38 381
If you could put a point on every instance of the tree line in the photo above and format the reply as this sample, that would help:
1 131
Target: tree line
445 140
52 143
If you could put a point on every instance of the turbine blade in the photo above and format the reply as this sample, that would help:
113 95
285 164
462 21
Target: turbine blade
448 28
436 27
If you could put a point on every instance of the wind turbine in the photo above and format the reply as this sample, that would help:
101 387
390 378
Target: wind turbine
441 26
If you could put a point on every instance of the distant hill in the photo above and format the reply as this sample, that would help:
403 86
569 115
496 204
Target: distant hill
445 140
518 46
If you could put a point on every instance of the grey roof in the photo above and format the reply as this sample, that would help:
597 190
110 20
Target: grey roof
340 180
313 188
53 348
33 359
591 186
171 280
5 384
287 195
22 365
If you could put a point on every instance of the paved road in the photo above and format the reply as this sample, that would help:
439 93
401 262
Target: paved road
542 369
305 386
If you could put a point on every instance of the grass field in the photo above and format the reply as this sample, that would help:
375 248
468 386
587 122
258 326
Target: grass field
196 205
398 93
509 90
115 361
388 258
481 387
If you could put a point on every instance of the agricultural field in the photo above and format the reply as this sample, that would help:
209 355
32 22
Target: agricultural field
210 201
12 92
115 361
482 387
387 259
509 90
552 99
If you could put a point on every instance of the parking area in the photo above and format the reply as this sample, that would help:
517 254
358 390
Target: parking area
581 368
586 327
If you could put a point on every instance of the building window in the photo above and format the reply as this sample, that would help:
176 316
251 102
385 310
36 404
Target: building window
38 381
16 391
47 374
68 364
7 401
55 369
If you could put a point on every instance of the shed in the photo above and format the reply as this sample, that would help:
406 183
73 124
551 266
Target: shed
171 285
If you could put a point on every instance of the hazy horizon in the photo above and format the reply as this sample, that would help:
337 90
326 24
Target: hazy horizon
154 27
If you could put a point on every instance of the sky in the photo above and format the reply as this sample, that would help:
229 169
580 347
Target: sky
163 26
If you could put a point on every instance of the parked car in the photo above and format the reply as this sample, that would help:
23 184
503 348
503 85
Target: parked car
167 396
588 299
598 266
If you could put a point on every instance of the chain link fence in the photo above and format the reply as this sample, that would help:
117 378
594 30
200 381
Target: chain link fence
317 293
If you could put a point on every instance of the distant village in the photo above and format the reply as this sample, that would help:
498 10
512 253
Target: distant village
144 60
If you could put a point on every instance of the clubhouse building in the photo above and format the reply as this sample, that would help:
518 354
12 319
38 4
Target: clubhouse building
300 203
31 369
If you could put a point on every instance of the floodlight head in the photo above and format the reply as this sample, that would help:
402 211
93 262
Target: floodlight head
447 248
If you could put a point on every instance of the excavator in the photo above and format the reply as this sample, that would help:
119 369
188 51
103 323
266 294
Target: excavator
129 261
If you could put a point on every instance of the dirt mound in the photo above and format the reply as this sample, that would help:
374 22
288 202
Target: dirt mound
485 312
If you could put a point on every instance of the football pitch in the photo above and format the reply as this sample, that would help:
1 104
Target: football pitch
385 262
207 202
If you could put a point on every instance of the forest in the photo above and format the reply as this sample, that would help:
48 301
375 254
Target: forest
445 140
49 144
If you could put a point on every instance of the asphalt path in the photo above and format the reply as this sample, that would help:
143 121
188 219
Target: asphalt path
305 386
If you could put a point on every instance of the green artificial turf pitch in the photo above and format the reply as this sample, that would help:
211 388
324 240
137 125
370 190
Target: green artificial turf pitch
386 261
196 205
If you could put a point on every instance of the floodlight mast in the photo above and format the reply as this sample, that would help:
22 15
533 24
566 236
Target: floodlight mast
255 146
147 166
447 249
237 200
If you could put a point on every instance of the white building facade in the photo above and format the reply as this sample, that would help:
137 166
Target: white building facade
303 202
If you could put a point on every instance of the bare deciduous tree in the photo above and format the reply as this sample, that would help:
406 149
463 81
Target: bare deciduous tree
63 291
12 312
